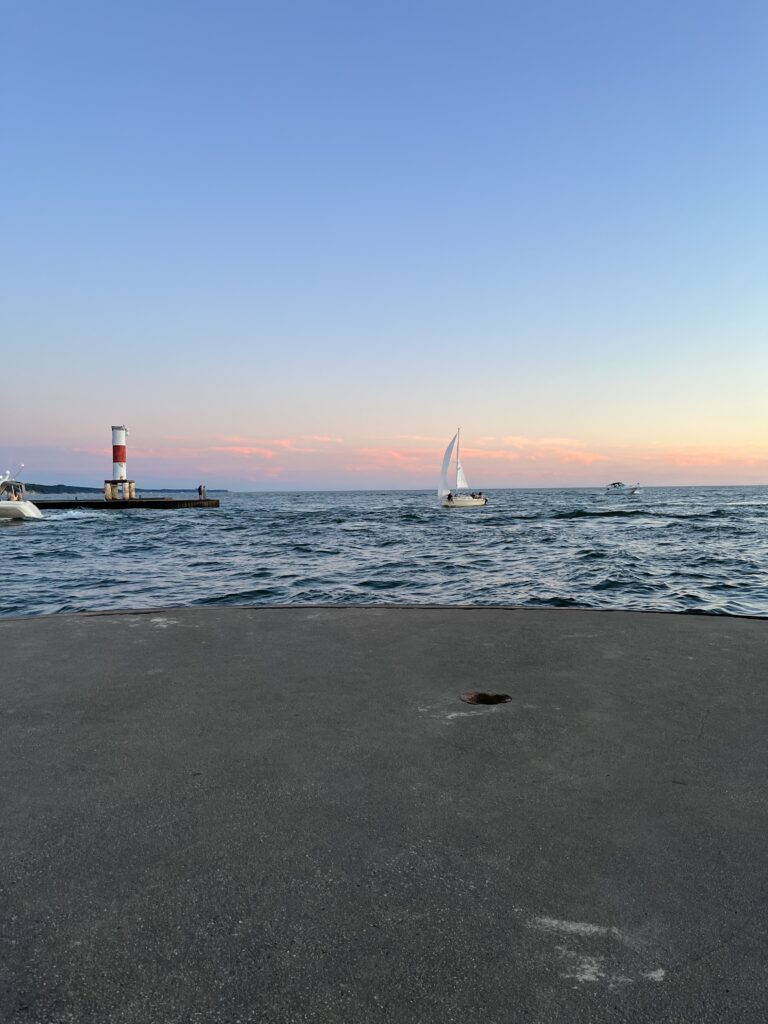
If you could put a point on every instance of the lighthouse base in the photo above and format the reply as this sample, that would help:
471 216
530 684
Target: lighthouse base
117 489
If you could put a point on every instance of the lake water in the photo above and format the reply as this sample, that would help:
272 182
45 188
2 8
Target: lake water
692 549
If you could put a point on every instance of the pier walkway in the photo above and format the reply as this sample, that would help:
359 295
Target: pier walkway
287 815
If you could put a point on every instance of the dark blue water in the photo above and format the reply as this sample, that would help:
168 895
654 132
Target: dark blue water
682 549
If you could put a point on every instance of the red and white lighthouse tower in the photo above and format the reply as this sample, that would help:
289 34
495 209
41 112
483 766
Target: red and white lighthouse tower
119 435
119 486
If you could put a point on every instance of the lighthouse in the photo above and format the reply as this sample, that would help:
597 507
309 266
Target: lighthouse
119 486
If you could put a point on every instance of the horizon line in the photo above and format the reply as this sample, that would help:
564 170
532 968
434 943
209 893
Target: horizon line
415 490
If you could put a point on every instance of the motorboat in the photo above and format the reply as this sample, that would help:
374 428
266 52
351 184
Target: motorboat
619 488
14 503
460 495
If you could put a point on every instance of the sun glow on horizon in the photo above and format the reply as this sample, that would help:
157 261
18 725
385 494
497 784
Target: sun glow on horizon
240 462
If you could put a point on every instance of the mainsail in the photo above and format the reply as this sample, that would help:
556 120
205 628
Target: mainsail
461 480
444 488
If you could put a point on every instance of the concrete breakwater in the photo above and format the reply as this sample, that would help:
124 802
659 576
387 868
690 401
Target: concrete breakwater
120 504
288 814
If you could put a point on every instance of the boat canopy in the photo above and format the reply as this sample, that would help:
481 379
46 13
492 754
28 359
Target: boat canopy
11 489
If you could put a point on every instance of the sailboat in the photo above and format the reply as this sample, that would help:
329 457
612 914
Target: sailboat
460 496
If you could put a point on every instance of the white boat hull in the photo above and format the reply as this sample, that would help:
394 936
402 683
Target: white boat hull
463 501
19 510
627 489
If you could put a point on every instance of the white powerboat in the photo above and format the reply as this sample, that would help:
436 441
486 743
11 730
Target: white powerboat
619 488
460 495
13 500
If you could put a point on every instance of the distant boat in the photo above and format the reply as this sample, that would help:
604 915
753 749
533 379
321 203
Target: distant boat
459 496
13 500
619 488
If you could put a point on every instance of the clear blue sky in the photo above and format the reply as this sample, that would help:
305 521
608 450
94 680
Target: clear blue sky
269 220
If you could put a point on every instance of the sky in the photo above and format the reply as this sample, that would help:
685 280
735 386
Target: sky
295 244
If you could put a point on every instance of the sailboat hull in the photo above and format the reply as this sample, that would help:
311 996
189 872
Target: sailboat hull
463 501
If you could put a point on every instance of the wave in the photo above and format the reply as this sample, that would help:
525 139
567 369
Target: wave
629 513
255 596
583 513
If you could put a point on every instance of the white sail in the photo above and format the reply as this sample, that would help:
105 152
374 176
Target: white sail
461 480
444 487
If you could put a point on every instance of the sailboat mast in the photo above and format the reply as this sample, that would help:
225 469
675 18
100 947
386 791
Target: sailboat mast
458 442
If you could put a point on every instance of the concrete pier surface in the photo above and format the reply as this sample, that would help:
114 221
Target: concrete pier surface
287 815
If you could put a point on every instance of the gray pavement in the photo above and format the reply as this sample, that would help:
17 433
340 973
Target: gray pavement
287 815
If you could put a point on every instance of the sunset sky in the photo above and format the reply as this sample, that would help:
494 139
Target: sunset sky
295 244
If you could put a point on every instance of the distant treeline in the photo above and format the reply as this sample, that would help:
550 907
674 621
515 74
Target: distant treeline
66 489
61 489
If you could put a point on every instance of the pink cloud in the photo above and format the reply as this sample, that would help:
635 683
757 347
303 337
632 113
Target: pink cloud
526 449
418 437
693 457
242 449
393 456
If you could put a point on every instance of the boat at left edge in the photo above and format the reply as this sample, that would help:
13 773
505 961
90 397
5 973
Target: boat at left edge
14 503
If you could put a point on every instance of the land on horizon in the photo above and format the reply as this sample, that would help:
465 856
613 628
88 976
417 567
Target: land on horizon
72 489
